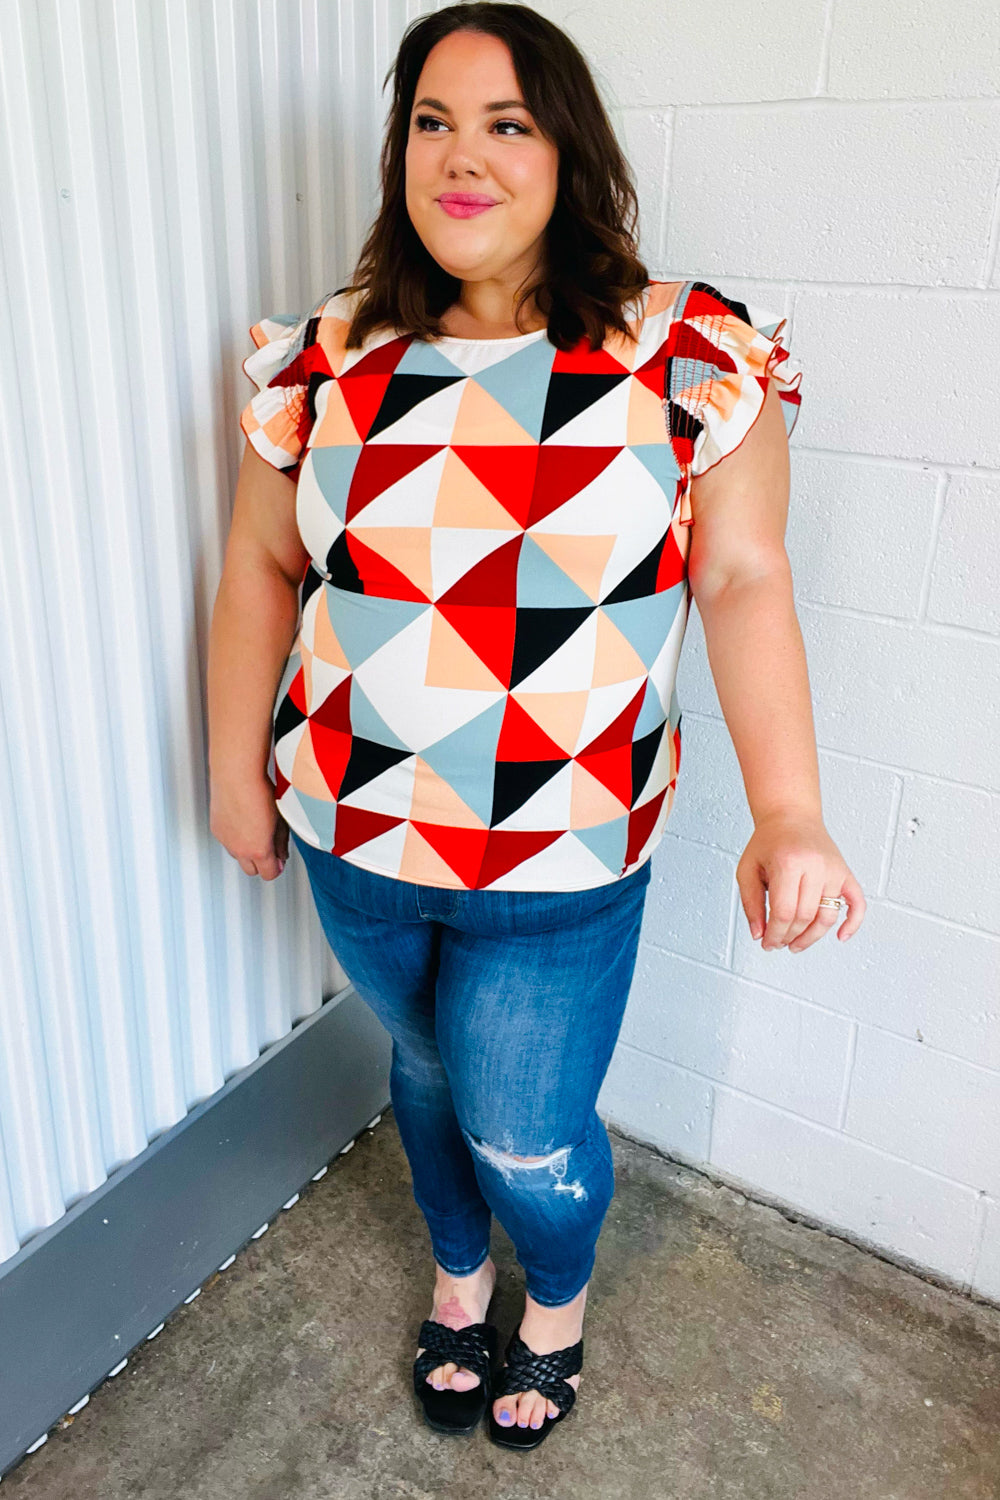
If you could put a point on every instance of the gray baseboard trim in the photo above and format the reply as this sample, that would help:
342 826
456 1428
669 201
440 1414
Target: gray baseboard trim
81 1294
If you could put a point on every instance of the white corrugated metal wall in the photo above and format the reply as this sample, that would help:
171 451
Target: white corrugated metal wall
170 171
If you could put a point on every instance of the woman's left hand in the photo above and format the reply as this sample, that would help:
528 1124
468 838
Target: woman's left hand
793 858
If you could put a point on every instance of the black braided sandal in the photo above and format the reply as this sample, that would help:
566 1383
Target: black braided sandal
475 1347
527 1371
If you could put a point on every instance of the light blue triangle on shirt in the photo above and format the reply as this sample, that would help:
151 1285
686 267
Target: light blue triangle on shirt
460 757
661 461
333 469
322 817
645 623
541 583
367 722
607 841
520 384
651 714
364 622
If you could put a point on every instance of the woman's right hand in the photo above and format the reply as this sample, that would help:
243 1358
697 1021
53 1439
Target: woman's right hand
244 817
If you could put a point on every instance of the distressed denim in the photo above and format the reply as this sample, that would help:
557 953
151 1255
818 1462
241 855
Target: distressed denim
504 1008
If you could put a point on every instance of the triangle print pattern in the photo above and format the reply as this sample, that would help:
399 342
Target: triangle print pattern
481 691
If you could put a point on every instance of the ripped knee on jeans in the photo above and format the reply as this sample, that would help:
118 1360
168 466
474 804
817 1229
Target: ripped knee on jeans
508 1163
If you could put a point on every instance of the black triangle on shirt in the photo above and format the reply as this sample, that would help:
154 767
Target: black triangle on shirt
644 752
316 379
311 581
641 582
739 308
570 394
368 759
515 782
402 394
681 422
342 568
287 718
538 633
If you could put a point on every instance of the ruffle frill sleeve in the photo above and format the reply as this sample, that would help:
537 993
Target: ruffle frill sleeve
277 420
723 354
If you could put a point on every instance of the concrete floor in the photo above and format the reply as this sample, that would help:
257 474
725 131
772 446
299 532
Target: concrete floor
729 1353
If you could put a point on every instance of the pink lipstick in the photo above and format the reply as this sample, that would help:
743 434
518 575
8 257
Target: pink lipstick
465 205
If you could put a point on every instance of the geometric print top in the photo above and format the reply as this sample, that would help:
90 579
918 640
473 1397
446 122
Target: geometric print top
481 691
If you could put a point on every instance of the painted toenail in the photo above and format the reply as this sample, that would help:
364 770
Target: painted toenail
505 1416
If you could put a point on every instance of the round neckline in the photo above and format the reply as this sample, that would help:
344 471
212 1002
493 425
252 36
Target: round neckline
517 338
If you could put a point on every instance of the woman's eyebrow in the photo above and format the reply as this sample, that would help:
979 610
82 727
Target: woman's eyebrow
487 108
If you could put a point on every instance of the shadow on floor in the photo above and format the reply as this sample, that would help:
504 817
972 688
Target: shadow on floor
730 1355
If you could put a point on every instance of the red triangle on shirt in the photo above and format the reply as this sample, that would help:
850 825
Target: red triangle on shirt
508 472
522 739
640 825
618 734
355 825
335 710
380 578
612 768
332 750
582 360
486 630
492 580
505 850
381 465
461 848
671 568
297 691
562 473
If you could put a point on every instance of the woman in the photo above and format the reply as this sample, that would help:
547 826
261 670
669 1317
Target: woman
477 487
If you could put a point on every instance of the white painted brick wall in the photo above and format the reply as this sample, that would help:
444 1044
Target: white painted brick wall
839 167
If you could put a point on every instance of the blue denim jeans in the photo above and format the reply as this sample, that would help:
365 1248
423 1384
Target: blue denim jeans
504 1008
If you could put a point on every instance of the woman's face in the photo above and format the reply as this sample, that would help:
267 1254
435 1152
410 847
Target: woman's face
461 142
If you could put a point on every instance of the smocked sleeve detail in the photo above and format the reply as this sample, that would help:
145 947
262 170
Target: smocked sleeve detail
278 419
723 353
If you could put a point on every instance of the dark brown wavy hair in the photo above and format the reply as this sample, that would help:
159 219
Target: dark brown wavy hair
591 269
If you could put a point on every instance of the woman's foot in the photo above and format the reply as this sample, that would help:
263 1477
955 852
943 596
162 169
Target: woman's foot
458 1302
543 1329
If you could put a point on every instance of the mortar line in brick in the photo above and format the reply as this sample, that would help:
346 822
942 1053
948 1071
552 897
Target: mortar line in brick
807 1120
904 622
936 519
668 167
824 1010
825 47
980 1240
845 1094
855 758
892 833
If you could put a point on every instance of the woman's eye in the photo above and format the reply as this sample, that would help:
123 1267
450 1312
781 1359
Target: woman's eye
423 121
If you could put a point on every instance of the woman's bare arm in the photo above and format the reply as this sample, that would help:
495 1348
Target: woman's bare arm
741 580
253 627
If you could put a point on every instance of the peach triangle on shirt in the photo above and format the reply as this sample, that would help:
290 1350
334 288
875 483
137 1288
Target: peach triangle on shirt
593 803
464 500
461 848
582 558
406 548
508 473
432 791
481 419
560 715
615 658
421 863
337 426
452 663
